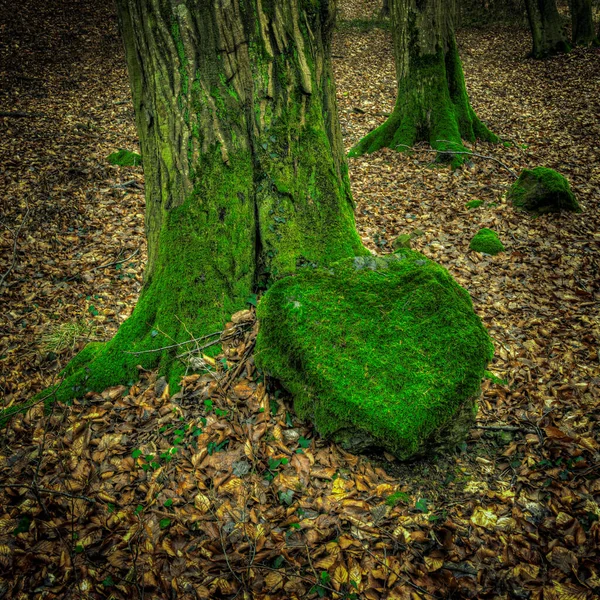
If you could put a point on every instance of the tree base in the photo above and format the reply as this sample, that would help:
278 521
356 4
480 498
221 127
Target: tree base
432 106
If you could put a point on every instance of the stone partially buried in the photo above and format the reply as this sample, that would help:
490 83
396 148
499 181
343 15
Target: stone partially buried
541 191
378 352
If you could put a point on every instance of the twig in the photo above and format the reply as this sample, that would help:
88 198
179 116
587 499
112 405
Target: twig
198 348
14 253
128 184
35 489
501 427
191 341
116 262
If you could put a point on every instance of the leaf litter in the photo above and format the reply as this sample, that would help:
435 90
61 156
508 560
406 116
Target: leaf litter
218 491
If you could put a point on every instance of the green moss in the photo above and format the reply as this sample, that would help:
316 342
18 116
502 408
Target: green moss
474 204
305 211
495 379
383 349
183 61
541 191
487 241
125 158
203 273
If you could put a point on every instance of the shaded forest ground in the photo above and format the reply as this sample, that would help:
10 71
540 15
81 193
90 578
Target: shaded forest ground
515 514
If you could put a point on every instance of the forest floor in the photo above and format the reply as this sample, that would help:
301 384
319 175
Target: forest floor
137 492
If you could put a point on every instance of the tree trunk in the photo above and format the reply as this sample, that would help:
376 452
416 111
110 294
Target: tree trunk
246 179
582 22
385 9
432 103
546 28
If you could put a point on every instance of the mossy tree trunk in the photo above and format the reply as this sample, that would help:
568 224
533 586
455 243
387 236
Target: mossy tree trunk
385 9
245 175
432 104
547 32
582 22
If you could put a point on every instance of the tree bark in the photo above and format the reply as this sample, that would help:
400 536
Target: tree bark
582 22
432 103
546 29
385 9
246 180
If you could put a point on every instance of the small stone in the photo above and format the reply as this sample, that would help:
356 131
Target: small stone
541 191
241 468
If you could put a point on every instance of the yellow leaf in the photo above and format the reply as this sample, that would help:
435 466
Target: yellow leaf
326 563
168 547
354 573
340 575
274 581
202 503
403 534
233 486
433 563
248 450
526 571
564 592
484 518
383 490
338 491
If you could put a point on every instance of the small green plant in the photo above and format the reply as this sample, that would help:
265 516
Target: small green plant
320 588
213 447
422 505
494 378
397 497
286 497
273 467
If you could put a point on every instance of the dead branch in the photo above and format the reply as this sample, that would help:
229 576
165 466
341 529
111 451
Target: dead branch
14 252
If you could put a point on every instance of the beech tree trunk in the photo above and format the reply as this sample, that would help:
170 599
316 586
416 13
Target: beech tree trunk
546 28
432 103
246 180
385 9
582 22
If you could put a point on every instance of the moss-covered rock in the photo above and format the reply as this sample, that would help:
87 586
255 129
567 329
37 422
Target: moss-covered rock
125 158
379 352
487 241
542 190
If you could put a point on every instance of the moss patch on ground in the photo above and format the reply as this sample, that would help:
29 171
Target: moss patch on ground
487 241
125 158
541 191
473 204
378 352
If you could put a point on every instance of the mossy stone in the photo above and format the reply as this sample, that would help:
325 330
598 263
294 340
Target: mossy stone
541 191
125 158
378 352
487 241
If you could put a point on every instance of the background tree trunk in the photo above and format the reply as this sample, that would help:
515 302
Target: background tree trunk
243 160
546 28
385 9
582 22
432 103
